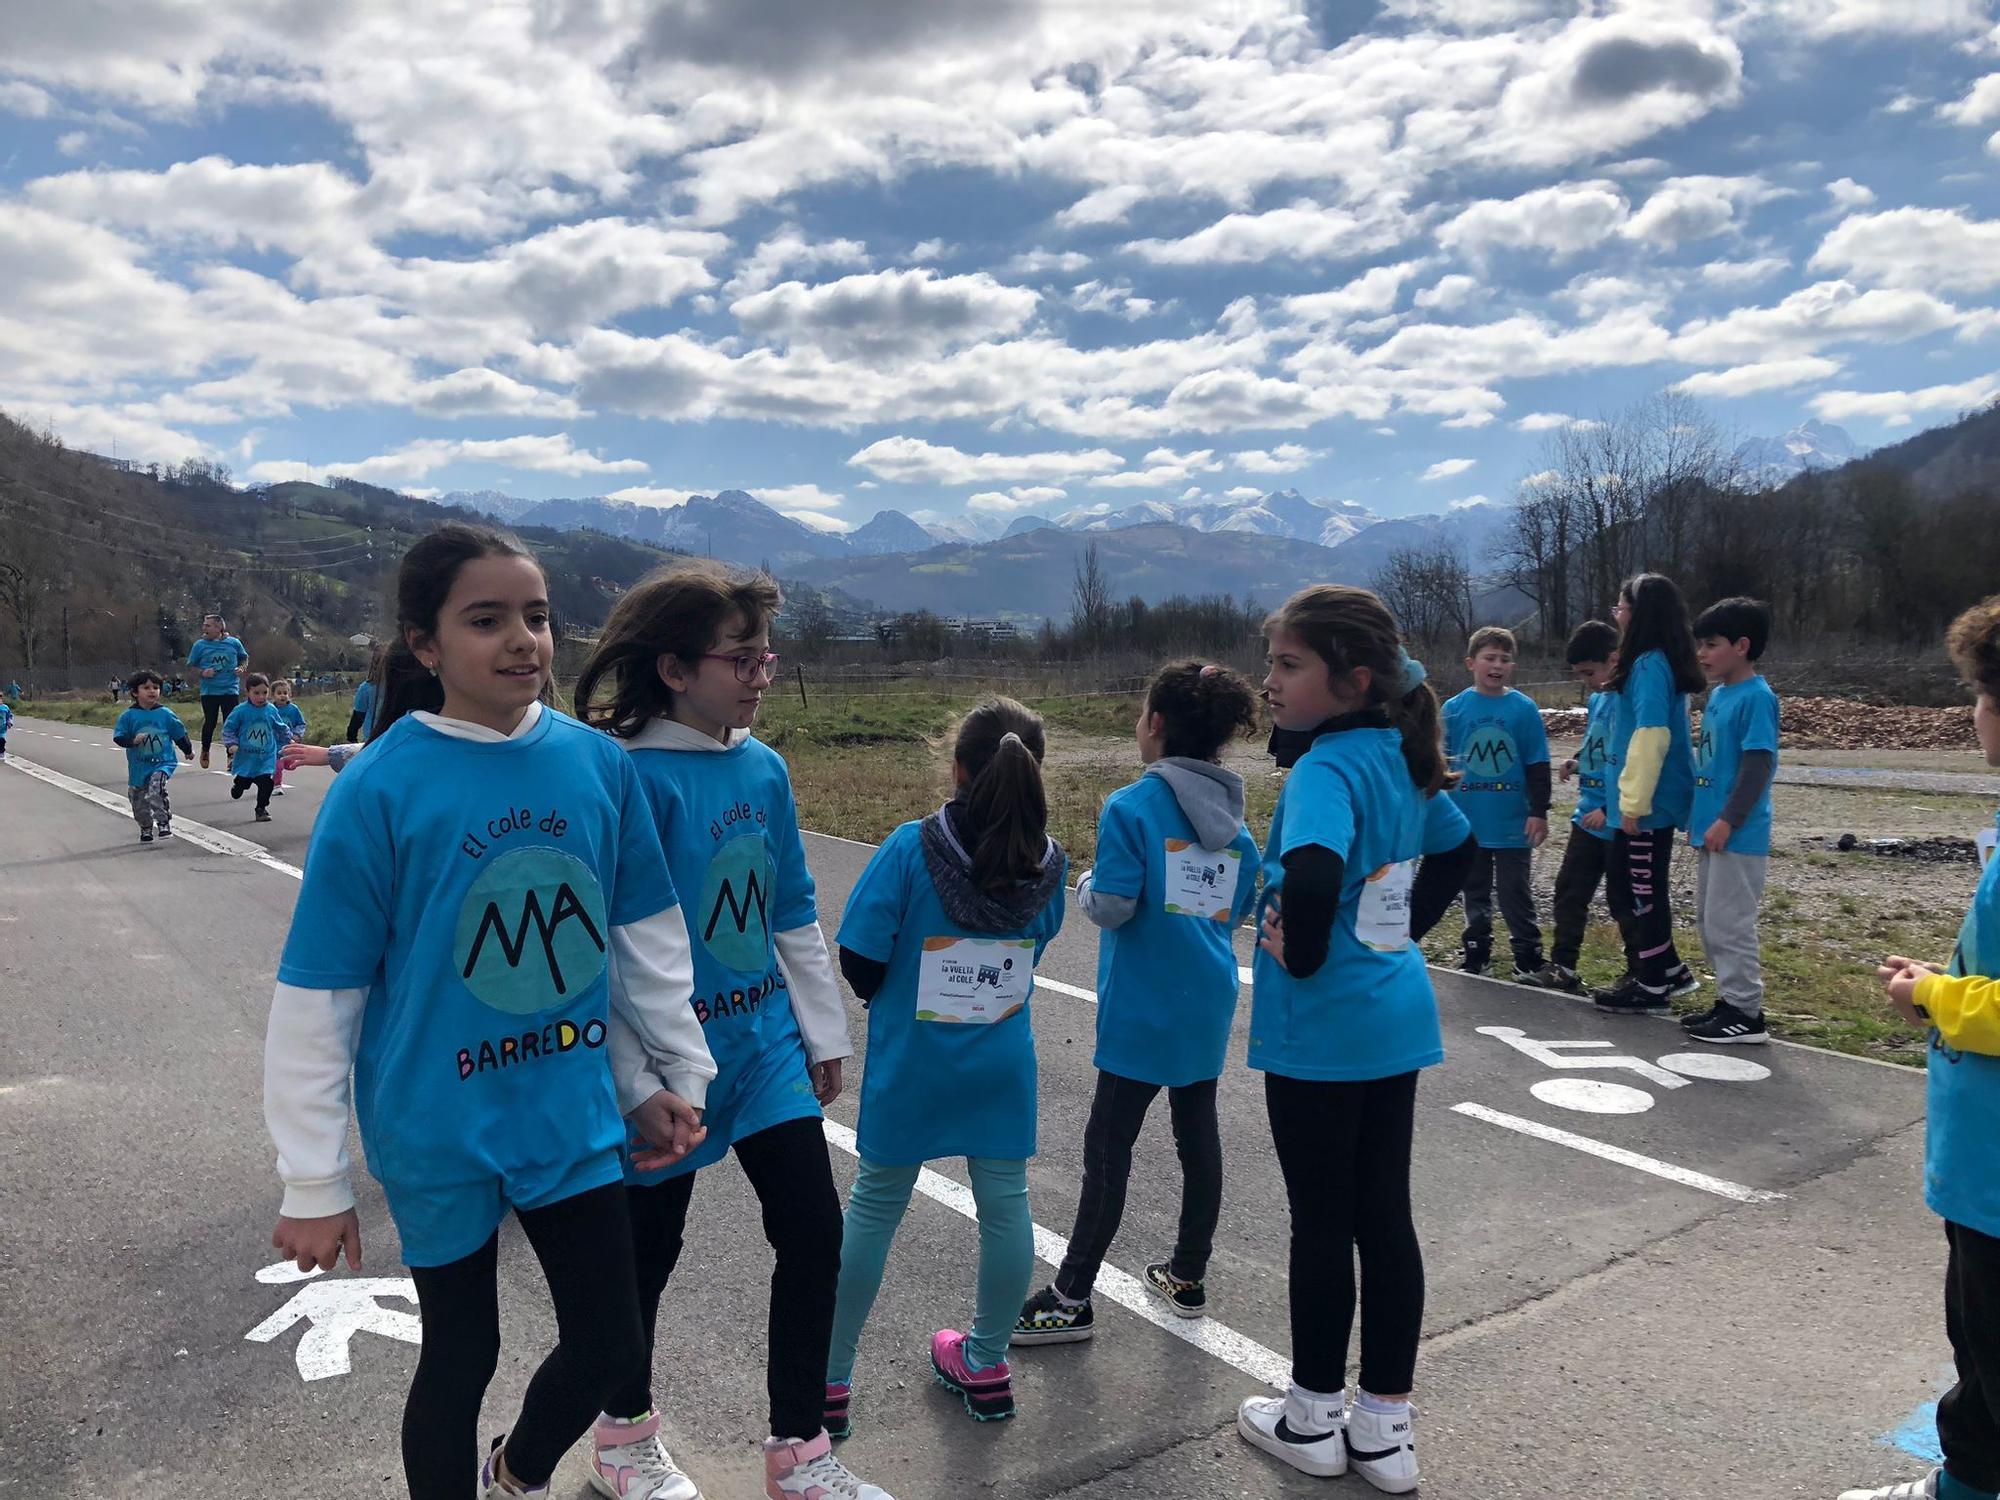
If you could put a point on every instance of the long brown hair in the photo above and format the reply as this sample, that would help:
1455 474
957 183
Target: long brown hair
1348 628
1000 744
679 611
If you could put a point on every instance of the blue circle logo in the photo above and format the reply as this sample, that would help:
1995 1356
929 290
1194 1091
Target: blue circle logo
733 918
1490 754
532 931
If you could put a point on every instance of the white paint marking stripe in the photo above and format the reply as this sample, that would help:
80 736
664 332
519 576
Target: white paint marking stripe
199 834
1065 989
1685 1176
1237 1350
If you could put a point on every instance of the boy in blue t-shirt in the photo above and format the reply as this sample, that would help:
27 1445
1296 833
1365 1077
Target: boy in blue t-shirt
253 734
6 719
1735 758
149 735
1592 657
1496 741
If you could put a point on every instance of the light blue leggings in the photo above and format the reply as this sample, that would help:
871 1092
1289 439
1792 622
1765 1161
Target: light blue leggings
1006 1254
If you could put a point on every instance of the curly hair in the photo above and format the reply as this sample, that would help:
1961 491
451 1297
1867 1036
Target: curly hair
1205 707
1974 643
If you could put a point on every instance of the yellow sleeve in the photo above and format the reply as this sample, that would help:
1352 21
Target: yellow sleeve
1641 776
1965 1009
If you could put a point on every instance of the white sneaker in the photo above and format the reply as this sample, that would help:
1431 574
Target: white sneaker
1383 1448
809 1471
1910 1489
631 1463
490 1487
1288 1427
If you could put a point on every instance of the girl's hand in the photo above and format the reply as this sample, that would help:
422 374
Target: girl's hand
1272 939
665 1129
1537 830
1594 818
826 1081
1629 826
298 753
1566 770
1716 840
208 671
317 1244
1901 984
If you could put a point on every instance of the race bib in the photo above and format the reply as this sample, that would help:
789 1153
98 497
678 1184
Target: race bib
975 980
1201 882
1382 921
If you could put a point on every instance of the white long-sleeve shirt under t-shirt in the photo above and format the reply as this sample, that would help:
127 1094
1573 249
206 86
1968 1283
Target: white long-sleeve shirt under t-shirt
312 1036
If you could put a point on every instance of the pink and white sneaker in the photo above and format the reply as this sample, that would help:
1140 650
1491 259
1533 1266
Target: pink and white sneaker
631 1463
490 1486
809 1471
988 1394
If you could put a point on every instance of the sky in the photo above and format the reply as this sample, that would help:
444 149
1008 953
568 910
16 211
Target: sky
981 258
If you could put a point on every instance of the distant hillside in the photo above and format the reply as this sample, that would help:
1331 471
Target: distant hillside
1948 461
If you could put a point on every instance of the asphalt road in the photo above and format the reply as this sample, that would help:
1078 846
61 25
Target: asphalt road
1731 1291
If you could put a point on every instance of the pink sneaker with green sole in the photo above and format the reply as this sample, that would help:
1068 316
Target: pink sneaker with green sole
988 1394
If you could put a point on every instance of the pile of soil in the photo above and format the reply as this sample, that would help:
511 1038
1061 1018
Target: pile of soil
1837 724
1937 850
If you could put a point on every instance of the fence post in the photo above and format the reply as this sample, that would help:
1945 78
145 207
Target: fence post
802 687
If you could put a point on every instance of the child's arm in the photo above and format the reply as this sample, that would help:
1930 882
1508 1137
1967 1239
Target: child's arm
1754 770
121 732
1450 846
1108 894
802 953
230 733
1964 1008
659 1044
308 1056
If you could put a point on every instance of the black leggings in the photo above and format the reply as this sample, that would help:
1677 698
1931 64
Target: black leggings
242 784
1968 1415
788 1168
585 1246
215 708
1640 866
1345 1151
1115 1117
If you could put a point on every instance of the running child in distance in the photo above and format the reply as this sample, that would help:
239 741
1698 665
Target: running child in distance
218 657
295 728
149 735
253 734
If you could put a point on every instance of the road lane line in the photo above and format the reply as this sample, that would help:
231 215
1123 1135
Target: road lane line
199 834
1685 1176
1065 989
1219 1340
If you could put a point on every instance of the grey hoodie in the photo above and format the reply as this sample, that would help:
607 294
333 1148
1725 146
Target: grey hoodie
1210 798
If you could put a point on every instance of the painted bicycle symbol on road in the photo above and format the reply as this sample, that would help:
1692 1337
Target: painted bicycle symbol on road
1597 1096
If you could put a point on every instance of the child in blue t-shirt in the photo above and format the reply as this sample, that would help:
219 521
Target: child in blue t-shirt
1593 656
1497 744
253 734
1960 1003
1364 855
480 895
940 940
6 721
218 657
295 728
149 735
1729 824
677 676
1651 794
1176 875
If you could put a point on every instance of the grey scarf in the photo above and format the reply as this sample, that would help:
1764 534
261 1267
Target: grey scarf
945 834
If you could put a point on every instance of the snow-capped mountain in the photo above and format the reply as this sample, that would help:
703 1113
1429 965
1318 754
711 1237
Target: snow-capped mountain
890 531
1769 461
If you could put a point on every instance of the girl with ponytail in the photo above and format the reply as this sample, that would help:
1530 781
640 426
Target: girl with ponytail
1363 857
940 940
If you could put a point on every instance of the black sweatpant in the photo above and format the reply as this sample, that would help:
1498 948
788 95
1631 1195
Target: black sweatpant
1968 1415
215 708
1586 863
1344 1149
788 1168
1640 866
263 784
1116 1113
584 1244
1512 871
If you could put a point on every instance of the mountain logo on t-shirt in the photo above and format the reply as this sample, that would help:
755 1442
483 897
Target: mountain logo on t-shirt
733 916
531 931
1704 746
1490 754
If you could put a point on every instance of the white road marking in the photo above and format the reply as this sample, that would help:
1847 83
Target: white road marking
1065 989
1560 1055
1592 1096
1235 1349
335 1311
199 834
1685 1176
1715 1066
31 1083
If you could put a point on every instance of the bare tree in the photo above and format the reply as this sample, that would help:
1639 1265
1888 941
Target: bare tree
812 627
34 573
1090 601
1428 589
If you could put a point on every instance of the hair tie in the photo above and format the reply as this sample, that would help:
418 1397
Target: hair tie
1411 673
1010 735
1210 670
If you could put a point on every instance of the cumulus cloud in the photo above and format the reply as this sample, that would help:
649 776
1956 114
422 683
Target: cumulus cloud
1694 208
909 460
1900 408
1019 500
553 454
881 312
1825 313
1161 467
1445 468
793 497
1828 18
1935 248
1847 194
1979 106
790 249
1373 292
1448 293
1733 275
1771 375
646 494
1304 231
1114 299
1286 458
1548 421
25 100
1242 492
1562 221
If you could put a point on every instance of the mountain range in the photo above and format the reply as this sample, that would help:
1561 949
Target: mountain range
1766 462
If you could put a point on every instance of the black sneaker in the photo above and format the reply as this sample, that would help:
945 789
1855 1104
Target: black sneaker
1554 976
1682 982
1528 973
262 815
1628 997
1728 1026
1473 963
1044 1320
1187 1299
145 838
1696 1018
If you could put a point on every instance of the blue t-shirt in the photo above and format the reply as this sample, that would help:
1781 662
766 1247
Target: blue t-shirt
227 656
1961 1168
1167 980
1649 701
1594 765
364 704
6 718
731 834
150 735
1492 741
1740 716
472 888
951 1054
1368 1011
258 733
295 719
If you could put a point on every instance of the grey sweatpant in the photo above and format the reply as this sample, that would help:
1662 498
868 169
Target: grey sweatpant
1728 890
1511 870
149 803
